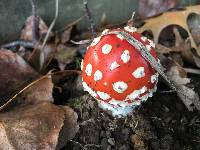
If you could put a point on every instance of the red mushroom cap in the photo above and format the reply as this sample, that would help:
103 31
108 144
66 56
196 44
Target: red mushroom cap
115 73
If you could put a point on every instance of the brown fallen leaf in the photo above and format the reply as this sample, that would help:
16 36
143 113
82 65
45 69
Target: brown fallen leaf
15 74
179 77
186 51
194 26
149 8
41 57
65 55
196 58
163 49
74 87
37 127
181 49
36 123
66 35
194 98
26 33
70 127
40 91
179 18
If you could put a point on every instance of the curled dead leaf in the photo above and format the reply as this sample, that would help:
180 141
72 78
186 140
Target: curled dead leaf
26 33
36 127
179 77
41 57
179 18
65 55
40 91
194 98
15 74
66 35
186 51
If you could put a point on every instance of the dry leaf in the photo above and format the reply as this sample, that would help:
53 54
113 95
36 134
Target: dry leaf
194 26
65 55
194 98
149 8
179 77
26 33
196 58
40 91
74 87
70 127
184 46
15 74
66 35
157 24
36 127
163 49
40 57
36 123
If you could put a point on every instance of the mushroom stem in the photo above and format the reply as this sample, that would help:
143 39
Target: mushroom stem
116 111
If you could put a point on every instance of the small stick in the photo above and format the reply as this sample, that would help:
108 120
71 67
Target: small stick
166 92
84 147
47 36
89 16
81 42
52 25
193 71
35 22
23 43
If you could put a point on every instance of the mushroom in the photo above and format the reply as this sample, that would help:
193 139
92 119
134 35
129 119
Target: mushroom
116 74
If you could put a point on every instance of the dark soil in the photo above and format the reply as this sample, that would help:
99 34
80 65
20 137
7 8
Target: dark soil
161 123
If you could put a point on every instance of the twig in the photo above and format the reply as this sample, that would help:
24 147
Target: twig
65 71
82 42
92 145
23 43
89 16
85 146
166 92
35 22
78 144
47 36
193 71
52 25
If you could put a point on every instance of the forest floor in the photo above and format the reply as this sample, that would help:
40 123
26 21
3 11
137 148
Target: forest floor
161 123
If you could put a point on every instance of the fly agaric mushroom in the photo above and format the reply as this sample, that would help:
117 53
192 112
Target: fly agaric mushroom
116 74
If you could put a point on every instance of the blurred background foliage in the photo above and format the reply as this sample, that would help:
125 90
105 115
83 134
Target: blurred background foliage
14 13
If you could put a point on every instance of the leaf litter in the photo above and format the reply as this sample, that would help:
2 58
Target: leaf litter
44 115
